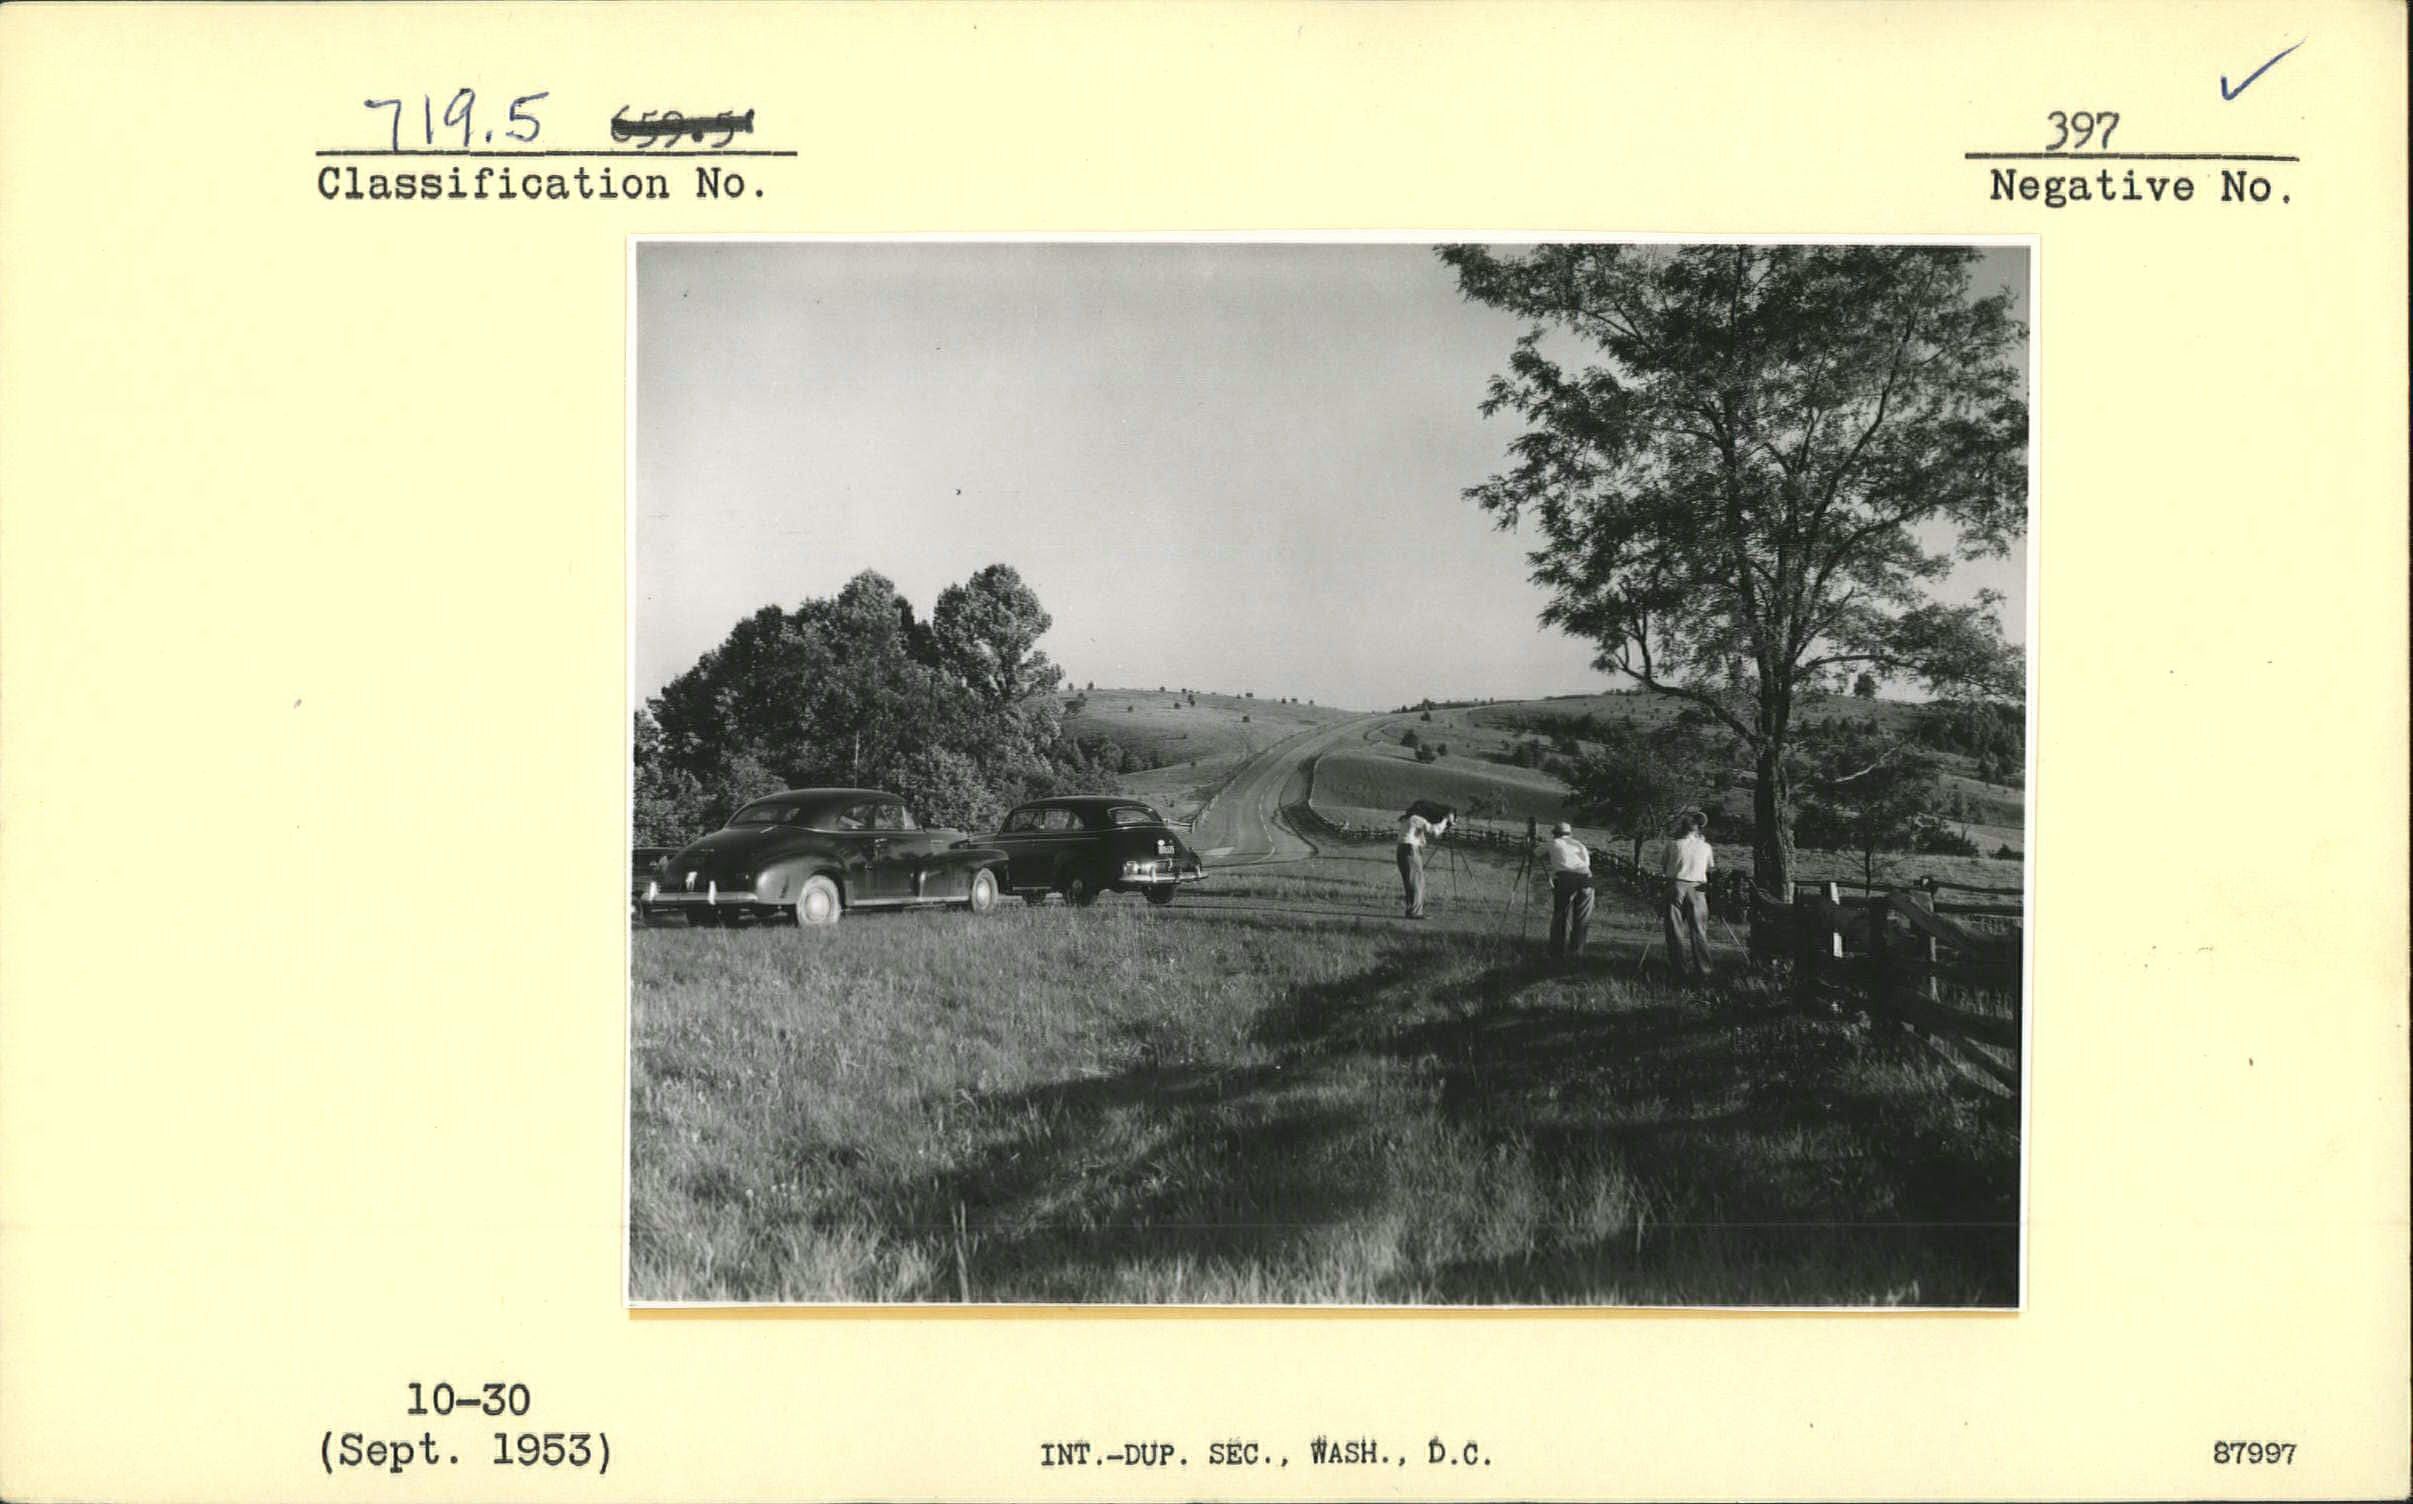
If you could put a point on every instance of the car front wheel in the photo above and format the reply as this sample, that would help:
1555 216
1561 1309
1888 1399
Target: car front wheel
984 892
818 903
1161 895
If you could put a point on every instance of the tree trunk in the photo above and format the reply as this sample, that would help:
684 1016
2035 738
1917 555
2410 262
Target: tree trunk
1772 840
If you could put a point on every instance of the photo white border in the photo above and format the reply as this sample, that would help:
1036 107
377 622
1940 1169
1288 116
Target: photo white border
773 1309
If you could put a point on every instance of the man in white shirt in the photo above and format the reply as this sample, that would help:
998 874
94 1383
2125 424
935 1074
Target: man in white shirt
1414 832
1687 868
1570 891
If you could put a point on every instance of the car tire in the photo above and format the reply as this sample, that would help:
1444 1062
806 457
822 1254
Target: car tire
983 897
1161 895
819 904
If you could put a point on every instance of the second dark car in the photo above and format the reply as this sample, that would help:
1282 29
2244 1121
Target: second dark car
1086 844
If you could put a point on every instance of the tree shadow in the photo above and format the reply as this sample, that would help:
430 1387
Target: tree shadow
1700 1154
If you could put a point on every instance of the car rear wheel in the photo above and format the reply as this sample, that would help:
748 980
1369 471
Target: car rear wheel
1161 895
984 892
819 903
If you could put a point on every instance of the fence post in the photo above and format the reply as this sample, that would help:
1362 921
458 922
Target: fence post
1880 955
1934 990
1805 943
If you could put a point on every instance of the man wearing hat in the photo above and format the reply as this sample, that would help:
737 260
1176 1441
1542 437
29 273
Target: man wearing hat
1570 891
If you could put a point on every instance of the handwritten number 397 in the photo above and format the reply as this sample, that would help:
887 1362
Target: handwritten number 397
459 113
2085 126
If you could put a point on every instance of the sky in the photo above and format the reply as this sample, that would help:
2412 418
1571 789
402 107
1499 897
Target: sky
1227 466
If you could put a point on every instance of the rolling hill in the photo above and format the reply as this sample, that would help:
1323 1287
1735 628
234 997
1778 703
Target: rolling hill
1184 745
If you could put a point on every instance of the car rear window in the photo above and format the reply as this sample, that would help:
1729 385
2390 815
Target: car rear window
769 812
1133 814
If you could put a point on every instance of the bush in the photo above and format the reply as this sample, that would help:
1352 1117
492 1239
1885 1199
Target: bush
1932 837
1427 754
2006 852
1410 740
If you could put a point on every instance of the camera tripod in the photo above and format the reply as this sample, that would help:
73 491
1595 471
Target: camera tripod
1520 886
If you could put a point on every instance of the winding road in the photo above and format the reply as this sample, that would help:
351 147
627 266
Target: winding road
1239 826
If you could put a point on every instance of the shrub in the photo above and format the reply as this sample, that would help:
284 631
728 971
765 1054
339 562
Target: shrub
1410 740
1932 837
2006 852
1427 754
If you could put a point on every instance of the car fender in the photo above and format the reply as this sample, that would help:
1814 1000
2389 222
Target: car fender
781 881
967 859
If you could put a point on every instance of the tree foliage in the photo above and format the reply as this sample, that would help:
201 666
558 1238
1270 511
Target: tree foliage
1735 489
1870 792
1634 782
853 690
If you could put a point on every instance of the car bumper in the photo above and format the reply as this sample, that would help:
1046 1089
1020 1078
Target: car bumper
654 897
1161 875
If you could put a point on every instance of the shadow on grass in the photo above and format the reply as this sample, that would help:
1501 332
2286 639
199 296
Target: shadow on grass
1729 1150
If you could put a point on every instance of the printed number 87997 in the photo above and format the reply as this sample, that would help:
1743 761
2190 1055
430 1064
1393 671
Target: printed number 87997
2253 1451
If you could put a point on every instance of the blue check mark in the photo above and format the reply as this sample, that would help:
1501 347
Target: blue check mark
2228 93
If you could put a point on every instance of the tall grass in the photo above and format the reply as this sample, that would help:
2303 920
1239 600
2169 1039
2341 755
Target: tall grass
1277 1091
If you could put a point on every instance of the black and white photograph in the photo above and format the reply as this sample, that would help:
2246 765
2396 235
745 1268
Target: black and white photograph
1256 772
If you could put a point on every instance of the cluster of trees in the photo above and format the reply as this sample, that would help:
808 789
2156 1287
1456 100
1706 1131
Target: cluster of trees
957 712
1993 733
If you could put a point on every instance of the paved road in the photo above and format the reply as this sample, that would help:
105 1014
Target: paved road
1238 829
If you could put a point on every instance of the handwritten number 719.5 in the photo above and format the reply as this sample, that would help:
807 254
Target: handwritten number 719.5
2082 127
521 125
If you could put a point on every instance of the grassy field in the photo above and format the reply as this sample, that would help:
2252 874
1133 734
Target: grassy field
1390 779
1279 1091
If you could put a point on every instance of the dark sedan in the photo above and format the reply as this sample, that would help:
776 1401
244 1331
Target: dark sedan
813 854
1084 845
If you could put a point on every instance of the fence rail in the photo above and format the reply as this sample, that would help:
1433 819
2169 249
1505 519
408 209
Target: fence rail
1907 957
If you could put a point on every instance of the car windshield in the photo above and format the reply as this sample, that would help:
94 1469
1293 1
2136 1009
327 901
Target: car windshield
770 812
1133 814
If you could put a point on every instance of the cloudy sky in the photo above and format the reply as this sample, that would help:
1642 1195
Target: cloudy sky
1222 465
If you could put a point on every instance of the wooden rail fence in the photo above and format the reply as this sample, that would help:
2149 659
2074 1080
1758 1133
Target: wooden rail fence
1909 956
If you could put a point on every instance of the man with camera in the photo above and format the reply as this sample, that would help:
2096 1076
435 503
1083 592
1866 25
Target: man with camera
1687 914
1423 824
1570 892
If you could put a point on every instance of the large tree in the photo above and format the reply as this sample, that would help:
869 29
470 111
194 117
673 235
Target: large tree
1750 466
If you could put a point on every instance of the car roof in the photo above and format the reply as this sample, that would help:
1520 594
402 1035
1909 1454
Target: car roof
1085 801
824 796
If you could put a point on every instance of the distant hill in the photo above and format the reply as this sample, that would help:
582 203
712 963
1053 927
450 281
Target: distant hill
1181 745
1500 762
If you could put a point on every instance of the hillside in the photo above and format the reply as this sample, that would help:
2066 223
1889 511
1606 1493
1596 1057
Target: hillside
1181 746
1499 763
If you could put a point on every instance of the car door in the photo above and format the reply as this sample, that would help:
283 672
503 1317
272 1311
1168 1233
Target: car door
871 872
1018 839
918 856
